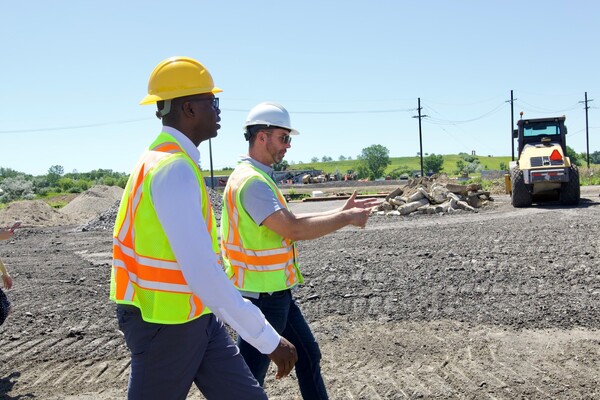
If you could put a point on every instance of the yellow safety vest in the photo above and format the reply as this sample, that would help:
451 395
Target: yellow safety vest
145 272
255 258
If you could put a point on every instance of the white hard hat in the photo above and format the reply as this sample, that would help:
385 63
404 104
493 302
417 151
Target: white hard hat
270 114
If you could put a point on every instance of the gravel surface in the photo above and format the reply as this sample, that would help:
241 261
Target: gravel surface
499 304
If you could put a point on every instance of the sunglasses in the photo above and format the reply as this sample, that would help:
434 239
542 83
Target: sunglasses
215 101
285 139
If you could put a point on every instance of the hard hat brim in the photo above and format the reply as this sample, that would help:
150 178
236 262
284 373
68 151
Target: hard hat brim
152 98
292 131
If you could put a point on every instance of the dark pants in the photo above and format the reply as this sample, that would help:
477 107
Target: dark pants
167 359
4 307
282 312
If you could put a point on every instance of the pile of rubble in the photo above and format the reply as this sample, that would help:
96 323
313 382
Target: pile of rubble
433 196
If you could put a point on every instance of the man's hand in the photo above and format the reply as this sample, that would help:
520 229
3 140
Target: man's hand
285 357
359 216
5 234
352 202
8 282
16 225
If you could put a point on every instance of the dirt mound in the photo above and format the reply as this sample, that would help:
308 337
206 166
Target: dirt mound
92 203
106 220
81 209
33 213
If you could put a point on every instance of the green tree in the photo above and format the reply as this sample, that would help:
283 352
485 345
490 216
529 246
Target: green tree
15 188
374 159
433 163
314 160
8 173
503 166
82 185
572 154
400 172
474 166
460 167
65 184
109 181
282 166
362 171
595 157
54 174
468 157
342 158
122 181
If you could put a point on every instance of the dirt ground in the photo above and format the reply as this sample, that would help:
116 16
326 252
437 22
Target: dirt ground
499 304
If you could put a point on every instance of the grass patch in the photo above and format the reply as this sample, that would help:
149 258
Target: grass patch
57 204
58 200
589 176
495 186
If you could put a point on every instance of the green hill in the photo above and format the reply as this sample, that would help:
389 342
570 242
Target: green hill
410 163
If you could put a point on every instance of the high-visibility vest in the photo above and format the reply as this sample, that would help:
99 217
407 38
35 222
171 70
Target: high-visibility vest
255 258
145 271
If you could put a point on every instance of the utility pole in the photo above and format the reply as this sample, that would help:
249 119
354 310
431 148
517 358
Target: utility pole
420 135
587 135
512 124
212 179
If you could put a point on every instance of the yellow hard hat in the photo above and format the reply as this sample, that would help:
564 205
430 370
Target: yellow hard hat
178 77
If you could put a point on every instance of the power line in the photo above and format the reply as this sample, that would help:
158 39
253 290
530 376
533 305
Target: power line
393 110
456 138
62 128
450 122
431 120
541 110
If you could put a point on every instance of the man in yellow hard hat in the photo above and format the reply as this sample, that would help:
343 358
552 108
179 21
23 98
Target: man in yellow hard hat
258 235
170 289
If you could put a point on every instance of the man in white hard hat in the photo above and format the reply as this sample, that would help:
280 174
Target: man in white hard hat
258 233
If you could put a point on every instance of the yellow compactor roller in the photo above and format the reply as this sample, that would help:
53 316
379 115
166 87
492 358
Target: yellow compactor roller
543 170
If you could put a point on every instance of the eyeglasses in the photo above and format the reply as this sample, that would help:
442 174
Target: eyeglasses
285 139
215 101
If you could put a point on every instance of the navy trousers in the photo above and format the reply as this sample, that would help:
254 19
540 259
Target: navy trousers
167 359
282 312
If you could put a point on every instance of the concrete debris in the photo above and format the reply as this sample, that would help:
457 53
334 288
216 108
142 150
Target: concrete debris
433 195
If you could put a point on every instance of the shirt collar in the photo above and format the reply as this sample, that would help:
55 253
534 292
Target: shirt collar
187 145
265 168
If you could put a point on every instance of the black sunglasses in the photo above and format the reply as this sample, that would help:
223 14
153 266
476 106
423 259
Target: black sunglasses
215 101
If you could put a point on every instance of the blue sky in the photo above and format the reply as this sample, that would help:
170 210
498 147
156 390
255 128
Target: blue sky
350 73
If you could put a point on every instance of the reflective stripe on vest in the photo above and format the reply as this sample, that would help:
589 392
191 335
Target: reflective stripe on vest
256 259
145 272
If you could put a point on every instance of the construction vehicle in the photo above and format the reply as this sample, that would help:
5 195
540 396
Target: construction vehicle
543 171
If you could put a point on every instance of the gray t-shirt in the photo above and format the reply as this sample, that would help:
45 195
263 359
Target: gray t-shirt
259 201
257 197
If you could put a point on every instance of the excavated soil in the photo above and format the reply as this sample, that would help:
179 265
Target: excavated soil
499 304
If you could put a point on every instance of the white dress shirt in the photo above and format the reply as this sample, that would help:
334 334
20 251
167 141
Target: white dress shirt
178 204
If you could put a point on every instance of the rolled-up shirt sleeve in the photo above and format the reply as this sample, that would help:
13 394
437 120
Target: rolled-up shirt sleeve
177 200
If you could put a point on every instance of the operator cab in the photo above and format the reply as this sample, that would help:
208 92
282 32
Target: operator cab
542 131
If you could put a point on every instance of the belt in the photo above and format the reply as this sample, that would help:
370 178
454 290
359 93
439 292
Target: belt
274 294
